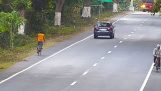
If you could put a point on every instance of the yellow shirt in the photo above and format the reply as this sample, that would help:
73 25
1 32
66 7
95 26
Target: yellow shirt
40 37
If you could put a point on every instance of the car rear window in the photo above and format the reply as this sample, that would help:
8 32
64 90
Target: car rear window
103 24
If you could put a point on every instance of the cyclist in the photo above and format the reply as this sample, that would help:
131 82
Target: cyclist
157 54
40 39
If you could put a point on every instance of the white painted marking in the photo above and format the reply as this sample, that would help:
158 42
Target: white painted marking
85 72
120 41
73 83
102 58
125 38
146 79
14 75
115 46
43 60
132 32
119 19
95 64
109 52
129 35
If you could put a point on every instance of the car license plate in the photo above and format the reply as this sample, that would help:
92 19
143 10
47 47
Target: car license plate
103 30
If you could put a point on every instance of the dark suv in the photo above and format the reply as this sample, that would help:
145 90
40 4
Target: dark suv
103 28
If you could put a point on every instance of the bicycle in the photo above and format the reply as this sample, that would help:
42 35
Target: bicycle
39 49
156 64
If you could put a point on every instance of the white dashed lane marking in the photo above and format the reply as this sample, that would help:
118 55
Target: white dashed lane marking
129 35
132 32
73 83
120 41
109 52
95 64
102 58
115 46
85 72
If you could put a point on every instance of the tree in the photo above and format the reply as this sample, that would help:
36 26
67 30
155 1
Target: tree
16 5
72 11
59 6
39 5
21 6
157 6
115 5
36 16
9 23
86 12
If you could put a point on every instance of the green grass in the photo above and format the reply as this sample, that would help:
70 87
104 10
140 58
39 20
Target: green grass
8 57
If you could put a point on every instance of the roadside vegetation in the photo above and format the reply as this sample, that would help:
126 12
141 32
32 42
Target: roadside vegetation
39 15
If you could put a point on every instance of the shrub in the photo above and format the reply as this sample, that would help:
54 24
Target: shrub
22 40
4 40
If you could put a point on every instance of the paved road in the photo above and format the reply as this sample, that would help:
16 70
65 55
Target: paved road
119 64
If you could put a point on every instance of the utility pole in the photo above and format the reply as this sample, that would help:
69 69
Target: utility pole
131 8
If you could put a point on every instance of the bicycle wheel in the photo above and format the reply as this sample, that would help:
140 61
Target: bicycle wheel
156 64
39 50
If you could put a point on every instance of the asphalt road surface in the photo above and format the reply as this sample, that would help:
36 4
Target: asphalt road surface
124 63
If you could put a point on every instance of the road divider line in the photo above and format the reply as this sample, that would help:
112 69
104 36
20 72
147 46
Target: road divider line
115 46
120 41
73 83
44 60
146 79
102 58
132 32
95 64
129 35
85 72
120 19
109 52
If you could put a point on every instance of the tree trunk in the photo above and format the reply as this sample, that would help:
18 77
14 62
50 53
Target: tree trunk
58 18
59 6
86 12
21 29
115 7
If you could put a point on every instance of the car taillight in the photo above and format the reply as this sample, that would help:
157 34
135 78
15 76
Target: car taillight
97 28
109 28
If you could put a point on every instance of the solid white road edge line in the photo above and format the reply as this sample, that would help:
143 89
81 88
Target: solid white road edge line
10 77
43 60
146 79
